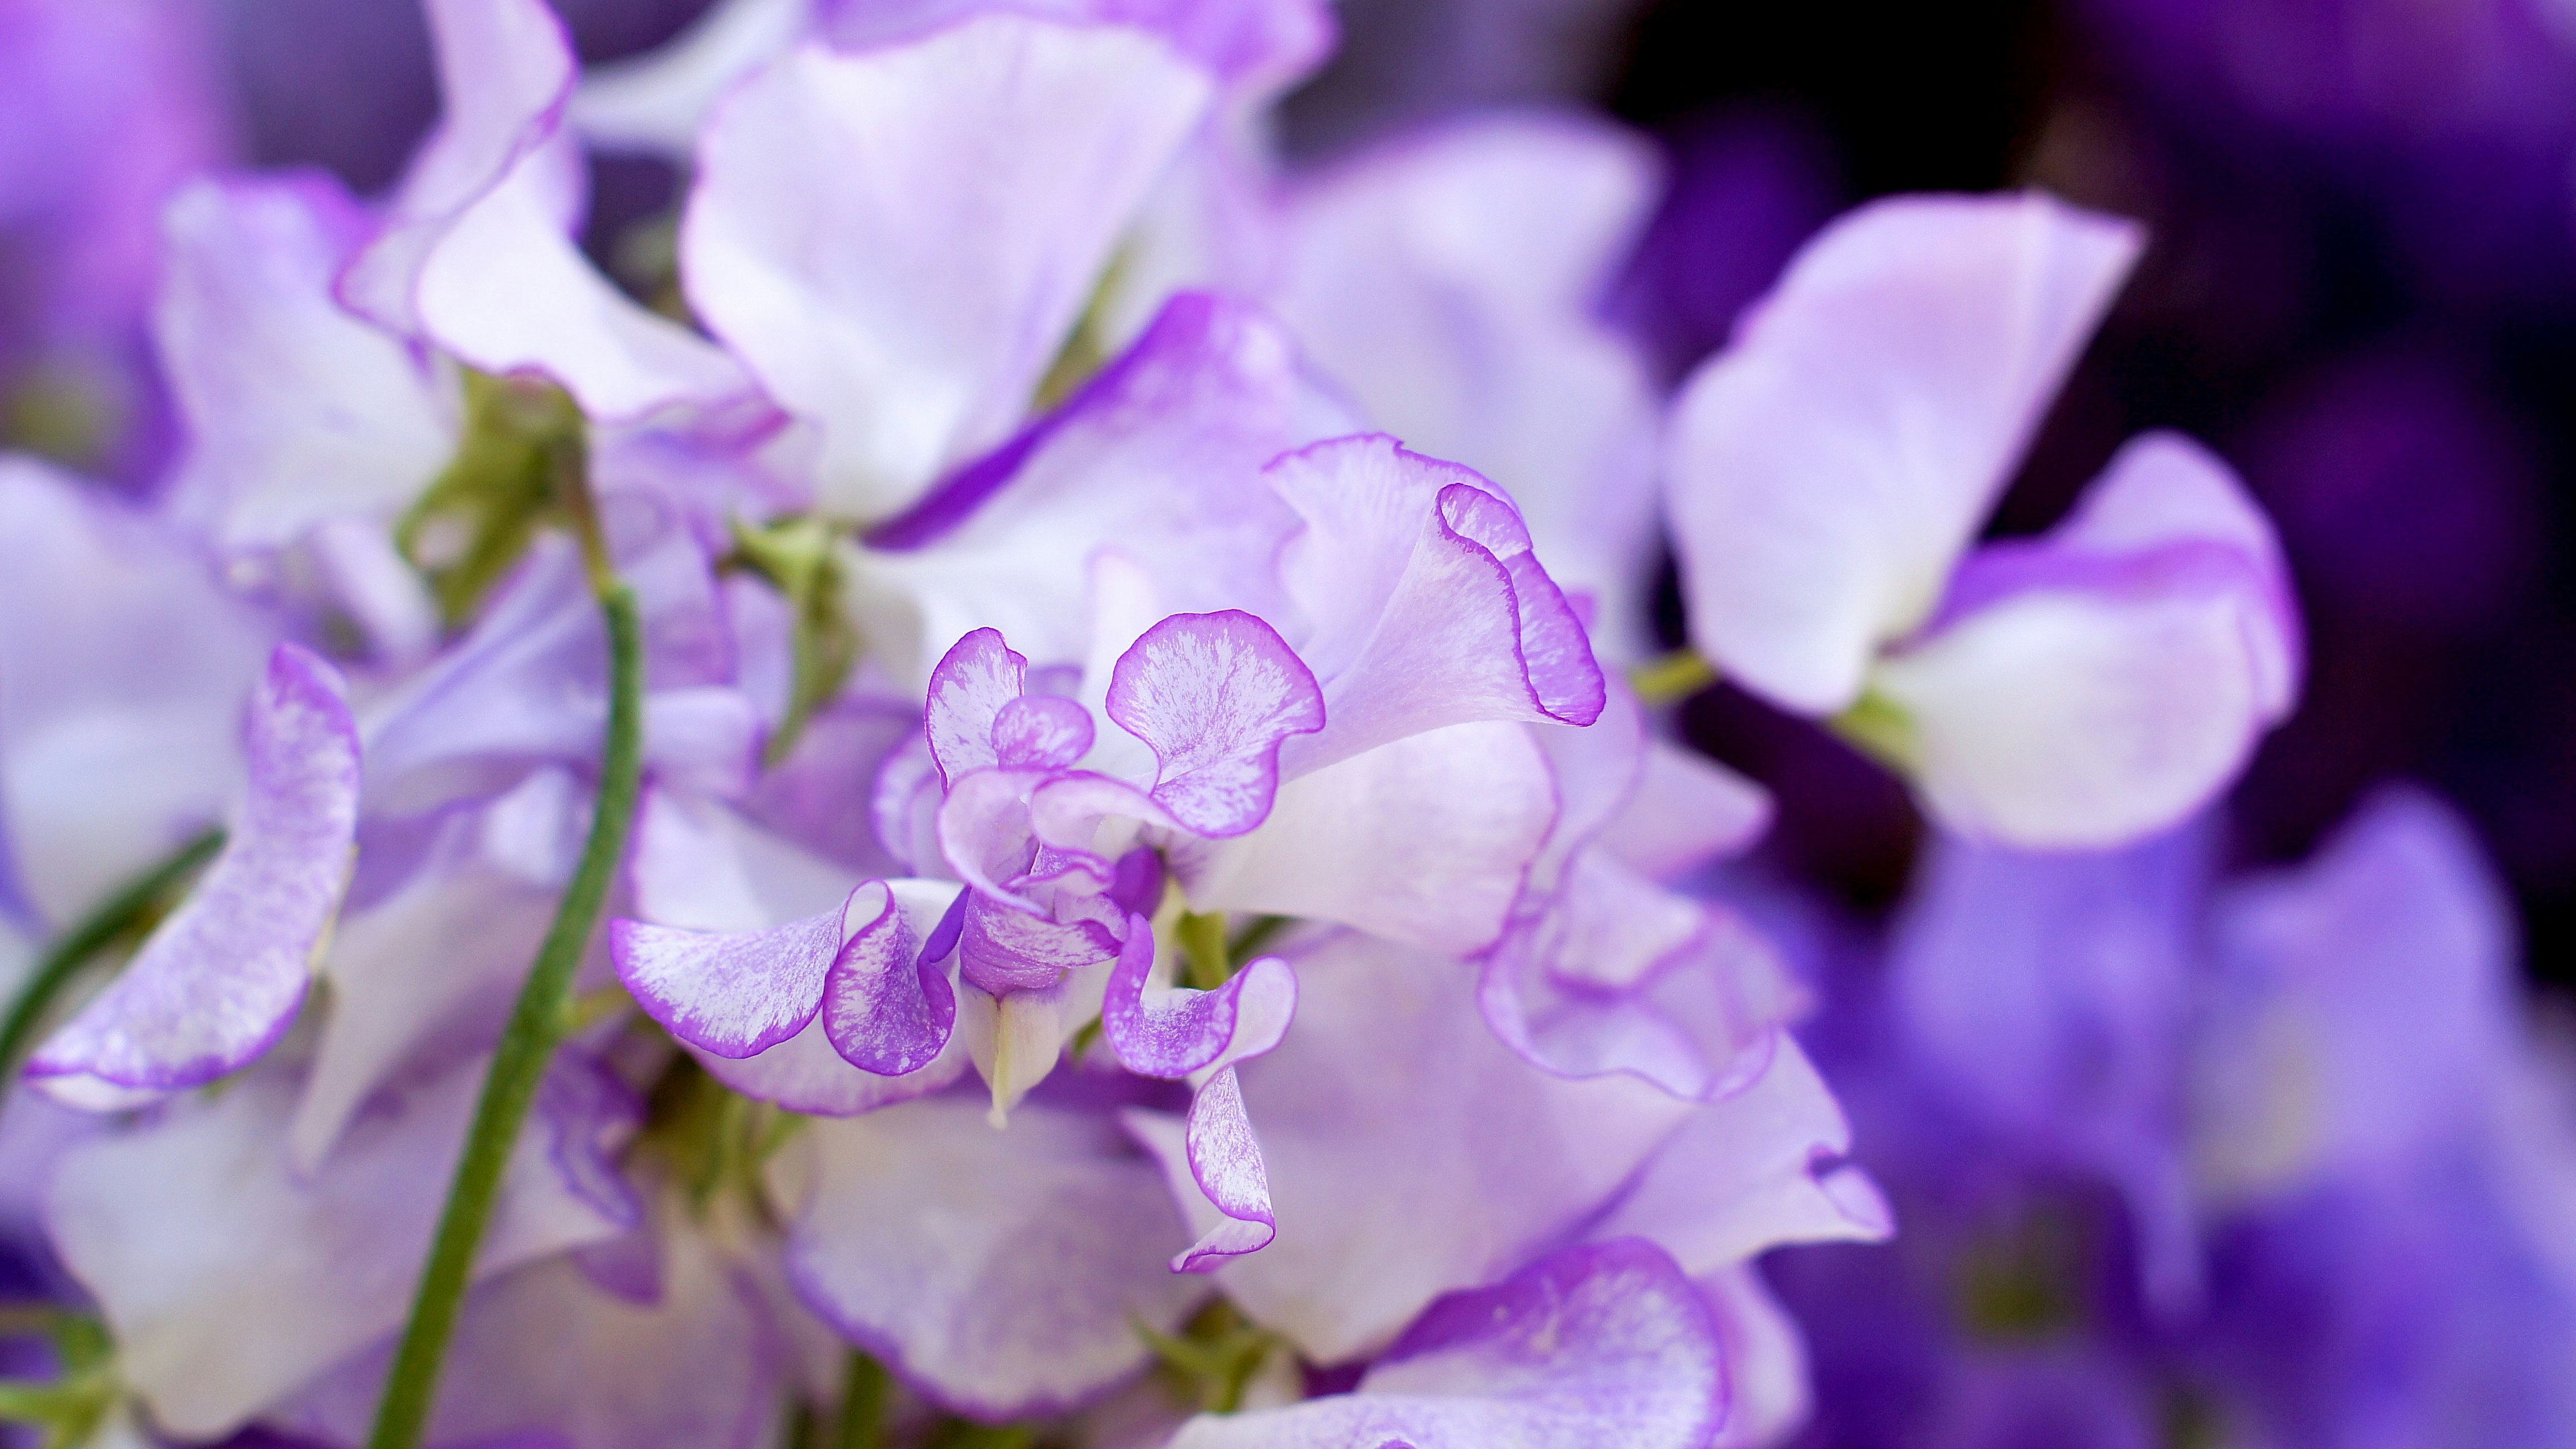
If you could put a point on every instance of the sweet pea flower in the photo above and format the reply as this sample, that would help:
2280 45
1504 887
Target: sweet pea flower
1827 472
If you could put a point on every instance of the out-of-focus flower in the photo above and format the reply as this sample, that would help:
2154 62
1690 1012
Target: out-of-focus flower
2322 1126
1828 471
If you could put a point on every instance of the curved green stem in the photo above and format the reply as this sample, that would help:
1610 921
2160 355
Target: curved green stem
538 1024
100 929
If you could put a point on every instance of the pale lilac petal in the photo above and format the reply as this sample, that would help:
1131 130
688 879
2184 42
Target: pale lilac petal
985 832
1425 604
1422 841
1769 1397
221 979
1001 1273
2105 682
1410 1153
528 685
126 663
1451 280
1753 1171
1214 695
1158 458
297 411
888 1007
476 254
486 892
546 1353
659 101
1593 1346
230 1279
897 240
1825 471
1166 1031
700 866
1686 811
968 688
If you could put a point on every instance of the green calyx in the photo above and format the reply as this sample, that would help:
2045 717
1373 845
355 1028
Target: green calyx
1880 728
799 558
525 449
1211 1363
71 1408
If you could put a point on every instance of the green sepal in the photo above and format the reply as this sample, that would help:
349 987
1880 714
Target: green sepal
799 557
524 444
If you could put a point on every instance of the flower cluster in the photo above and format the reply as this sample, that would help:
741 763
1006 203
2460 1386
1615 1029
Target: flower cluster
1029 795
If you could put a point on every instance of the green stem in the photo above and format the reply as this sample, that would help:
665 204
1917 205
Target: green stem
1671 679
1202 938
540 1021
863 1402
117 915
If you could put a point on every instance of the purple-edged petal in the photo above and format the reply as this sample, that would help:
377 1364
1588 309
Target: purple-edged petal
230 1279
476 254
2105 682
898 240
1214 695
1226 1171
968 688
1004 948
888 1007
733 995
807 1074
1041 732
1593 1346
219 981
126 663
1425 604
1768 1397
1825 472
1753 1171
1158 458
1451 280
1410 1153
297 412
1166 1031
1000 1272
1423 841
549 1356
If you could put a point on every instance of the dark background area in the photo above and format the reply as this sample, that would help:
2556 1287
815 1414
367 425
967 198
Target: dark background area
2363 300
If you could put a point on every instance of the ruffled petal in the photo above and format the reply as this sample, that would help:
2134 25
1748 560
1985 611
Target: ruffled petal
1167 1031
1426 606
1002 1273
1214 695
888 1006
231 1280
476 255
297 411
732 995
1409 1153
1826 470
221 979
1422 841
659 101
1591 1346
897 240
2106 682
968 688
1215 1167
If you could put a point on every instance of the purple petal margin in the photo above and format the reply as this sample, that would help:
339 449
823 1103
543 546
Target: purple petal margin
224 976
1215 695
